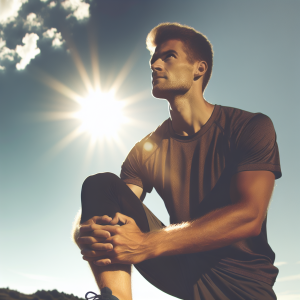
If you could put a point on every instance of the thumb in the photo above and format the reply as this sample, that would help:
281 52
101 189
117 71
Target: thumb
102 219
120 219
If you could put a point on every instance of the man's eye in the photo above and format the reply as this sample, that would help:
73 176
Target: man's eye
170 55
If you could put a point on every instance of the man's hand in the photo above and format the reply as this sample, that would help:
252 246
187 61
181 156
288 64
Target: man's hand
113 244
92 232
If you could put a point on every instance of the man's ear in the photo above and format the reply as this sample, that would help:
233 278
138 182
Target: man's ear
200 69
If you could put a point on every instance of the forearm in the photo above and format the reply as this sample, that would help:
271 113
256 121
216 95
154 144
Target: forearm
217 229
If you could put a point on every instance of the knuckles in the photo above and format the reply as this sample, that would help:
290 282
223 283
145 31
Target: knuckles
118 230
116 240
116 251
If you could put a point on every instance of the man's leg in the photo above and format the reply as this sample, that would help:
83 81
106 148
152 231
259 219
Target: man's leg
106 194
107 276
184 276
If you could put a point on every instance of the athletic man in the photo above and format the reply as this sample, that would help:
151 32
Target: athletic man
213 166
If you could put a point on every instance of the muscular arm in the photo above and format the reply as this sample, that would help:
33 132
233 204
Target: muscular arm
250 193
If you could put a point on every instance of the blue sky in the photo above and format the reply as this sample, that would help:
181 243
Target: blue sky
50 51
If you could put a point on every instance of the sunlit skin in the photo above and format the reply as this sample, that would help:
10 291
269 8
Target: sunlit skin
180 83
113 248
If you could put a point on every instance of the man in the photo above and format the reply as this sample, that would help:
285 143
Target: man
213 166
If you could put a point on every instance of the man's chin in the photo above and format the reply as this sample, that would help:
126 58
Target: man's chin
158 93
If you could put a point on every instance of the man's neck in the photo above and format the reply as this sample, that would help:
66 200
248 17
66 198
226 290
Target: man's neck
189 114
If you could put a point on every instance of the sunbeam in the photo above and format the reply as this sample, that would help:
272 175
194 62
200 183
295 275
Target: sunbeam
79 64
64 142
55 84
101 117
125 70
94 58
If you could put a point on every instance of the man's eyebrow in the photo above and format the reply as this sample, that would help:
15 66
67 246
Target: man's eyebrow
156 55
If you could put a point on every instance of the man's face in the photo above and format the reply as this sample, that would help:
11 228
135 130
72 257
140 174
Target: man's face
172 72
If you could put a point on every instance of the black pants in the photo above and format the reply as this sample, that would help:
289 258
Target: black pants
183 276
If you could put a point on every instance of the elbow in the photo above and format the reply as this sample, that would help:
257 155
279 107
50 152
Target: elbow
255 229
252 222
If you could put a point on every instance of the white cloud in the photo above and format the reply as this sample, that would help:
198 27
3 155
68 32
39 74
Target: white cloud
56 36
289 278
50 33
57 41
6 53
9 10
79 8
28 51
71 4
2 43
52 4
33 21
280 263
44 0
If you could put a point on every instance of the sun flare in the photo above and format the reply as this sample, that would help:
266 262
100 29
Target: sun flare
103 121
101 115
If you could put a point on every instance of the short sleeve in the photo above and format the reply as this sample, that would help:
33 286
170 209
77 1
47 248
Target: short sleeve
256 147
131 169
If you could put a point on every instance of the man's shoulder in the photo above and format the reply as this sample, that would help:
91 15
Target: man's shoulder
151 142
232 118
233 113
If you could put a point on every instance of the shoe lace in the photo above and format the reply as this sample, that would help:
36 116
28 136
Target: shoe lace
94 297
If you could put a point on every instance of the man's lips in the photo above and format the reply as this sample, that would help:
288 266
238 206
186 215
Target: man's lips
157 77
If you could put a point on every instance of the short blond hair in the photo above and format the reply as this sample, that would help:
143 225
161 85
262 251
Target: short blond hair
197 46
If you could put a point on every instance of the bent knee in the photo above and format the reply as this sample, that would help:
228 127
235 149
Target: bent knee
105 177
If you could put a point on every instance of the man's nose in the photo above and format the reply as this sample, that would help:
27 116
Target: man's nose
157 65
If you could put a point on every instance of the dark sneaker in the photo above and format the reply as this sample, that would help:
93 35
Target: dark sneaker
106 294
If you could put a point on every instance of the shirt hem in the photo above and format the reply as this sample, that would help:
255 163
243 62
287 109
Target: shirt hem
260 167
254 276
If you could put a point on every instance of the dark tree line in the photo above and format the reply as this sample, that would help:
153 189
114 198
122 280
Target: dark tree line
8 294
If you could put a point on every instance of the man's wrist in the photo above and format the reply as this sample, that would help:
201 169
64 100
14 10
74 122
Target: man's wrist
151 244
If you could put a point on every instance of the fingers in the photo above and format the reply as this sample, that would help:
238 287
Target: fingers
101 246
86 240
102 219
99 262
102 249
102 262
96 257
96 220
120 218
94 223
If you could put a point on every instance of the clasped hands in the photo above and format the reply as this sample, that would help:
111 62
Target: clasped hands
103 243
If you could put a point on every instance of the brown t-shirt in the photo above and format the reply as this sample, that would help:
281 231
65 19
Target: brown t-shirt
192 175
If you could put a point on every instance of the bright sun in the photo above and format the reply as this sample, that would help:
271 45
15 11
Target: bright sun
101 115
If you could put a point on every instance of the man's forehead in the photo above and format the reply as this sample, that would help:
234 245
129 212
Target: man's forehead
169 45
175 46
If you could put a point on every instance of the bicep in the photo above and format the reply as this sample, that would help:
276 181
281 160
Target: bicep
252 190
138 191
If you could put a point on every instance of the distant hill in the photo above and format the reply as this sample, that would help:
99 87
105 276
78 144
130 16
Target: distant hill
8 294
